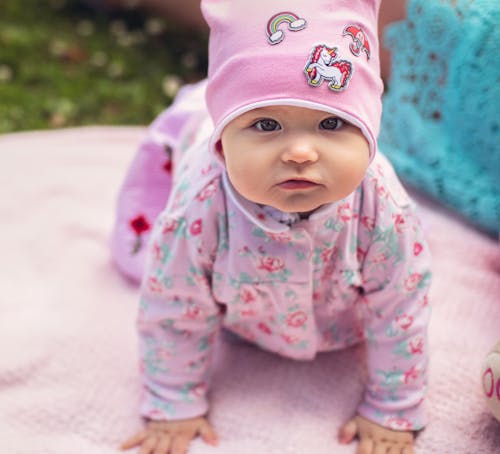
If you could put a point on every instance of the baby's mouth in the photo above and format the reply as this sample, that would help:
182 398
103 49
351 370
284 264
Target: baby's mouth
297 184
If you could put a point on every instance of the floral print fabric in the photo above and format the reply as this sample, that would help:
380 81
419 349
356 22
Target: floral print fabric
356 270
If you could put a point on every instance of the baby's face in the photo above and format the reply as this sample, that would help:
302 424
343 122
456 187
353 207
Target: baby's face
292 158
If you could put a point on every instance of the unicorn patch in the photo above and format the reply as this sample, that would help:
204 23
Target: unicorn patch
359 41
294 23
324 65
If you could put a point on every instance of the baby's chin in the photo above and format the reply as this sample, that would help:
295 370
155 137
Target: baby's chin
304 210
303 206
301 203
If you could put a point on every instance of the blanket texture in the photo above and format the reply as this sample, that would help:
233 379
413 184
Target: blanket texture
69 380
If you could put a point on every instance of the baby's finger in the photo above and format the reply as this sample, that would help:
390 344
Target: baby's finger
407 450
382 448
347 432
365 446
137 439
208 434
180 444
148 445
163 444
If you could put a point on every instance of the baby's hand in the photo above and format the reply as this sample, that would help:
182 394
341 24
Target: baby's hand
171 437
374 439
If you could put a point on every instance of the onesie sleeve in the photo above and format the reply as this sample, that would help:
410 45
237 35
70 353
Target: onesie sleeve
178 318
396 278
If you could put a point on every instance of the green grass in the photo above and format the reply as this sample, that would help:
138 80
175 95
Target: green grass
64 64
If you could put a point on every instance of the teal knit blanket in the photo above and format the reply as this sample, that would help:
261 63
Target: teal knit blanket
441 120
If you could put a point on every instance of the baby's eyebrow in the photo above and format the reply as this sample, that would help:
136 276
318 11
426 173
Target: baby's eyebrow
263 110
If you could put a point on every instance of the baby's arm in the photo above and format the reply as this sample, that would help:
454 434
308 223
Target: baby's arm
171 437
396 279
178 323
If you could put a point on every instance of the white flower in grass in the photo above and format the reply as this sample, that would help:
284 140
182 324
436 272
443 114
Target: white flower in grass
99 59
115 69
118 27
6 73
58 47
85 28
171 85
154 26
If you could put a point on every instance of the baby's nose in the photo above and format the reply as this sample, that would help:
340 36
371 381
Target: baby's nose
300 151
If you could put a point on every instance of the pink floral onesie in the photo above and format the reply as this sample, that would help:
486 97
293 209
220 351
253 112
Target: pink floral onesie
355 270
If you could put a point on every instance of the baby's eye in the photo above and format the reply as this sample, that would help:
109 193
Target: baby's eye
267 125
332 123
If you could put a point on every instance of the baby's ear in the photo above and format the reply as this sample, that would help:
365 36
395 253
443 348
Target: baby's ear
219 149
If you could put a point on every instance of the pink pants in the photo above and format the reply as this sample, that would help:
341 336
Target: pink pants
148 182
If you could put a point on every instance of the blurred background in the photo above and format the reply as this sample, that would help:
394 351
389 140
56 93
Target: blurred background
74 62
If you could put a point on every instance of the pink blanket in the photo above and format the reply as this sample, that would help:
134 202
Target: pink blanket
68 371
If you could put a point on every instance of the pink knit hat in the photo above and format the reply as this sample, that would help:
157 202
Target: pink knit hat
319 54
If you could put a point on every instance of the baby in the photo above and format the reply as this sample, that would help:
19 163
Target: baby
283 223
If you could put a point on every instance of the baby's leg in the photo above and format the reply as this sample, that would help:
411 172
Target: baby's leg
143 195
145 191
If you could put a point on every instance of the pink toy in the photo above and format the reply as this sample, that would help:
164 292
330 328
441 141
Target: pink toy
491 380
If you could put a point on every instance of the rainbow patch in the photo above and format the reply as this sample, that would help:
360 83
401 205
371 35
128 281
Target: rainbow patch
293 22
